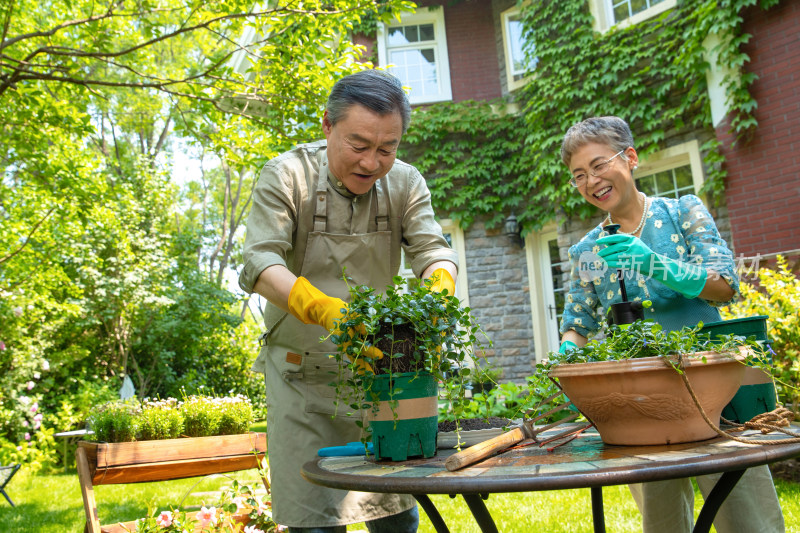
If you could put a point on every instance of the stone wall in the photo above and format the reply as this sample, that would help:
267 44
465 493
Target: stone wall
499 296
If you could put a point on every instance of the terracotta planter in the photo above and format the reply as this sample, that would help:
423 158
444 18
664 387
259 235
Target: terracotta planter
645 401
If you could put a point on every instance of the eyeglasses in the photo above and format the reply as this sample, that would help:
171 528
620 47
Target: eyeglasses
600 168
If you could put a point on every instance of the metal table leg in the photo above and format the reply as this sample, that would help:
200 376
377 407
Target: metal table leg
715 498
432 512
480 512
598 515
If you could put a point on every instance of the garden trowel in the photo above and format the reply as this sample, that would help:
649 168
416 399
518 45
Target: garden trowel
497 444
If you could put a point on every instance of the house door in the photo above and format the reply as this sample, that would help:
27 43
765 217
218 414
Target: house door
548 290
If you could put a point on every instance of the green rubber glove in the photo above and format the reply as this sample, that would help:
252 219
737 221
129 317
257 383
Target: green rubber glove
567 346
312 306
627 252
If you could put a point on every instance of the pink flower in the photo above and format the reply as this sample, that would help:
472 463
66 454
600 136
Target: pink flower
38 417
30 385
24 423
164 519
27 436
261 507
37 424
2 345
34 407
207 516
240 502
252 529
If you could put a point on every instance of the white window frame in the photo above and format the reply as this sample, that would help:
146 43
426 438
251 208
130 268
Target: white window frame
604 15
423 16
505 18
687 153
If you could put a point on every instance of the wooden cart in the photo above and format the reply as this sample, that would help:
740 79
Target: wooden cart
161 460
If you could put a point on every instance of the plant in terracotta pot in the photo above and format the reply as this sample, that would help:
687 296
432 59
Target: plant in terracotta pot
428 343
631 384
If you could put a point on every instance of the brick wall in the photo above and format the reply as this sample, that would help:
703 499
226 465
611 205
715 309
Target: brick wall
763 189
499 296
474 68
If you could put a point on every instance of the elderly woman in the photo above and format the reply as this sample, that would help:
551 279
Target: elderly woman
670 253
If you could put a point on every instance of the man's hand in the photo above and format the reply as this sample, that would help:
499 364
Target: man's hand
312 306
442 281
630 253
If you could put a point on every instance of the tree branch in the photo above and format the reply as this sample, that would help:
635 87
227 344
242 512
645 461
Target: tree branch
28 238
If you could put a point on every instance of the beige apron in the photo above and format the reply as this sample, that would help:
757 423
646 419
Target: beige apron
300 401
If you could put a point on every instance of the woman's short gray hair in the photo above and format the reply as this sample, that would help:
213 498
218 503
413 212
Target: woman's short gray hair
374 89
611 131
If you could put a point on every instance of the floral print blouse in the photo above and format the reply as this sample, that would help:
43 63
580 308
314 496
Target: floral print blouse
681 229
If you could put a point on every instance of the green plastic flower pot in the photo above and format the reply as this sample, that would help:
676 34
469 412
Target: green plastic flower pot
756 395
405 425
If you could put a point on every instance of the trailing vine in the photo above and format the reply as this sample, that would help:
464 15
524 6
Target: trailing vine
484 163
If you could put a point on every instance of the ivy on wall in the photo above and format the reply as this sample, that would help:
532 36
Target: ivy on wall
483 163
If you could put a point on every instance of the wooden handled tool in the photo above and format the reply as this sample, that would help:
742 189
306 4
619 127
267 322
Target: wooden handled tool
489 447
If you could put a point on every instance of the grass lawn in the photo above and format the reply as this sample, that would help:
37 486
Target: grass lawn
52 504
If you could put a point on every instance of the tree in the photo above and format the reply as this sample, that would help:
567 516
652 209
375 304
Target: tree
101 271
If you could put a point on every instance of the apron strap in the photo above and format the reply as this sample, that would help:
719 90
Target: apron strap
321 209
382 218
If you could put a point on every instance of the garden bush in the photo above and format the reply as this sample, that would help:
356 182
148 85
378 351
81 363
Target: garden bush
776 295
195 416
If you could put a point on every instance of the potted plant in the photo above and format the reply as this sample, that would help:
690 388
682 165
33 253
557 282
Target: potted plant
169 439
428 344
642 385
129 438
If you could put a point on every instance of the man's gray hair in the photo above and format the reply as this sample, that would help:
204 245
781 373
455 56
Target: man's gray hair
376 90
611 131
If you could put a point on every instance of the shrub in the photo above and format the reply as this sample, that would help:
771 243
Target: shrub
195 416
116 422
776 296
160 420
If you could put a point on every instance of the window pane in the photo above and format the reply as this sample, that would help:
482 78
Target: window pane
396 37
683 177
664 184
515 47
638 5
621 11
647 185
672 183
426 32
628 8
412 34
557 270
417 69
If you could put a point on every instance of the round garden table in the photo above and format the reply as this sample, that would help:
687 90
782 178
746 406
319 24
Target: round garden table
585 462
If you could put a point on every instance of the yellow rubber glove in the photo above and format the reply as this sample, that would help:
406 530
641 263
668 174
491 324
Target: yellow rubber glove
441 280
312 306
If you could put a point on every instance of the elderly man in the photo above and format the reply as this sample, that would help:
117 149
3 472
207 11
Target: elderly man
342 203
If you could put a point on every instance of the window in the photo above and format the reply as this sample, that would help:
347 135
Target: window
608 13
671 173
415 50
518 66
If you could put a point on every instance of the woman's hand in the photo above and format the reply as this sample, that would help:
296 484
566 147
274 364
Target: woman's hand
631 253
